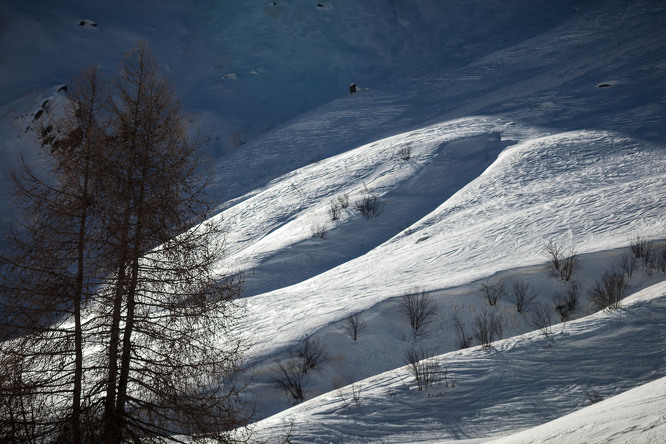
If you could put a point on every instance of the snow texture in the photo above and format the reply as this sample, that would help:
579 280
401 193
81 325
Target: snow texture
482 129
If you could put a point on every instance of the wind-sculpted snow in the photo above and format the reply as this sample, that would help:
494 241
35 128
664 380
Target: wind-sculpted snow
485 129
635 416
271 232
527 379
592 190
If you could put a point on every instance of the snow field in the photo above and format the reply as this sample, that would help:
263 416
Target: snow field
441 232
524 380
513 143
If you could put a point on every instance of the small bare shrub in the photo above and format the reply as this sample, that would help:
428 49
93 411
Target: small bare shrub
419 308
563 263
609 292
405 152
628 264
334 210
311 354
493 291
291 379
350 394
523 296
542 319
318 230
661 258
569 265
488 326
354 325
554 254
644 250
566 305
463 339
423 368
370 206
641 248
343 201
592 396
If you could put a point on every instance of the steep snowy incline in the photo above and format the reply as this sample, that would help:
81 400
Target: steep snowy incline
518 383
287 232
592 190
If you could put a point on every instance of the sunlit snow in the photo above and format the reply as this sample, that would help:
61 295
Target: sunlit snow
484 129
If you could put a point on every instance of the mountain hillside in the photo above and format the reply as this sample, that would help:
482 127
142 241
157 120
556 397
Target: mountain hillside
480 133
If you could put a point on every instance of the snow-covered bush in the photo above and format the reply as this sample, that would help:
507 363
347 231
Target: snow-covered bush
334 210
343 201
318 230
405 152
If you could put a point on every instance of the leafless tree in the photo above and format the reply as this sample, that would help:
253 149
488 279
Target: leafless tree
563 262
463 338
642 249
422 366
493 291
488 326
542 319
609 291
628 264
130 328
291 379
523 296
52 267
310 353
566 305
354 325
661 258
419 308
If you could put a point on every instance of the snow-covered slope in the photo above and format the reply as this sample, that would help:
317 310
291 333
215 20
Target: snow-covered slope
634 416
483 128
524 380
